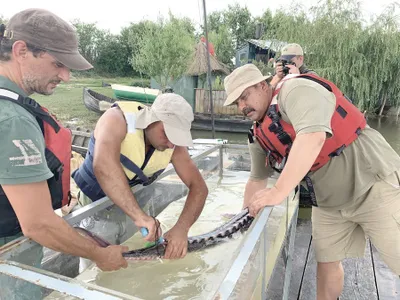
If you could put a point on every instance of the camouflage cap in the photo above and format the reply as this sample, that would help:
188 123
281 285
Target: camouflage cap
45 30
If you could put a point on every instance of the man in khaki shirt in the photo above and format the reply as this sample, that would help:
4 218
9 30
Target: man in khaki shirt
294 55
357 192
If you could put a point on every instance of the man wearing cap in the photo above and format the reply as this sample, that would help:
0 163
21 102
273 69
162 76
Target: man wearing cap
292 53
132 144
37 51
306 128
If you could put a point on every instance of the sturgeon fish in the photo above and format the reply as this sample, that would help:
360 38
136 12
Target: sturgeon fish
241 221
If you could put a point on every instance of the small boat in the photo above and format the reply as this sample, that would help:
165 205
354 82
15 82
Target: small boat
99 103
95 101
221 123
135 93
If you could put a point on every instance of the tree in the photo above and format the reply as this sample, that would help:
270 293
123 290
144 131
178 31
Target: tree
90 39
240 22
236 20
164 50
214 21
131 36
223 44
3 20
113 57
362 59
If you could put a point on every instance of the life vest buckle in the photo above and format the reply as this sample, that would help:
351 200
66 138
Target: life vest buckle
274 127
338 151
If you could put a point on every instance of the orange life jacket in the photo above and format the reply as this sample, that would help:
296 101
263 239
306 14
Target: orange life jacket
277 136
58 140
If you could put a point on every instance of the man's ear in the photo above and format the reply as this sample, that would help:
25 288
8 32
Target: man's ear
19 50
264 85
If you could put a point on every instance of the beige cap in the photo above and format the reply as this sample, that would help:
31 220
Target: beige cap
175 113
240 79
290 51
49 32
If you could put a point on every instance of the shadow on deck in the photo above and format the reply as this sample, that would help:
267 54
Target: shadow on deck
366 278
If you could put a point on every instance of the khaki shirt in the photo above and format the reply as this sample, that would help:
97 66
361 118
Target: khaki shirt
309 107
304 70
22 158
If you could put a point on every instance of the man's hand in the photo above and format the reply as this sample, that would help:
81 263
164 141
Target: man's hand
152 225
110 258
265 197
293 69
177 239
279 70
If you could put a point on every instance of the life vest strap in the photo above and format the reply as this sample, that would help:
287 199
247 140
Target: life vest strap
31 105
310 188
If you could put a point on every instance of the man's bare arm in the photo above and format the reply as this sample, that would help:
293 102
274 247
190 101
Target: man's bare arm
252 187
32 205
198 191
109 134
303 153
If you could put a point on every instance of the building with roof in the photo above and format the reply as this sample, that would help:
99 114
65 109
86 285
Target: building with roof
258 50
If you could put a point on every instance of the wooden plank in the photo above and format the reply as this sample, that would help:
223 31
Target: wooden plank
301 248
300 256
308 289
358 279
219 107
81 133
219 97
197 101
201 101
223 109
387 282
206 97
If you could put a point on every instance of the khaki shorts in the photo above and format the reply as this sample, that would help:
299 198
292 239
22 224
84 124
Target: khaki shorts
339 234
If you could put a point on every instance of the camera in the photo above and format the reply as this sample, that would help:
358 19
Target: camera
286 69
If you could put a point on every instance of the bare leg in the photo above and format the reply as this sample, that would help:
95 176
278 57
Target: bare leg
330 277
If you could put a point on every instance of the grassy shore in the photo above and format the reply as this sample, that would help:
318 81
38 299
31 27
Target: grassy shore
67 100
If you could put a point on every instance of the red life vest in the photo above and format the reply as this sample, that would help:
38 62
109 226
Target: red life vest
276 136
58 140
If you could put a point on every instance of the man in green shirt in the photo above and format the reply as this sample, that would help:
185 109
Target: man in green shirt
357 192
37 51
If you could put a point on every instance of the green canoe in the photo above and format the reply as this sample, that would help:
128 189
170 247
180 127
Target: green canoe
134 93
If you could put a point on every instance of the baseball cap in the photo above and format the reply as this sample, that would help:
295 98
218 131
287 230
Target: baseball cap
45 30
290 51
175 113
240 79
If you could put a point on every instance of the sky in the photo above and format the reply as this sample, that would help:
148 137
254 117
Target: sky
115 14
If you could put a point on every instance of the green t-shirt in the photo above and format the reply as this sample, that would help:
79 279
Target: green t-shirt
309 108
22 158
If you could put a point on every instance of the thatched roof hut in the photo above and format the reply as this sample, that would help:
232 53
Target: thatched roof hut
199 63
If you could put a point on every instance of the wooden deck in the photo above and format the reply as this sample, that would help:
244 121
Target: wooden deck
365 279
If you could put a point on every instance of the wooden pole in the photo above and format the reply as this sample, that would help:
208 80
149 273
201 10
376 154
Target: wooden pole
209 70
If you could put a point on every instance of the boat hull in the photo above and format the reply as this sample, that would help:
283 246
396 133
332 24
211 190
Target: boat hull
96 102
139 94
